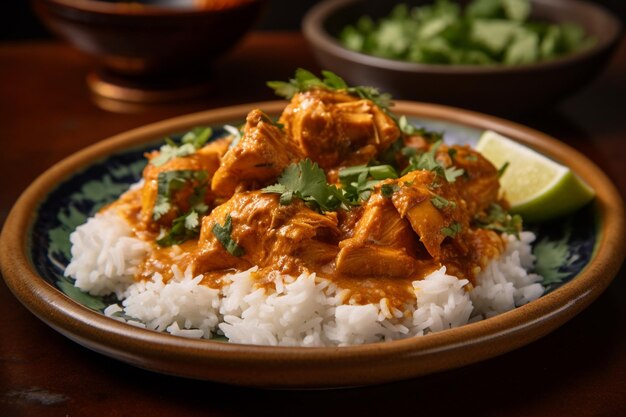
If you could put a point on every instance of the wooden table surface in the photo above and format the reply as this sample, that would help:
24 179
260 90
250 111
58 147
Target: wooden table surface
46 114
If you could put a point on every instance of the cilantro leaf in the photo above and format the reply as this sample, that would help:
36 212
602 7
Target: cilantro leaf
197 137
485 32
440 202
305 80
186 226
428 161
183 228
190 143
223 235
307 181
387 190
452 230
551 257
358 181
499 220
408 129
170 181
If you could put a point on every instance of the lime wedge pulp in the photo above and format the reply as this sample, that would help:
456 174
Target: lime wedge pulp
537 188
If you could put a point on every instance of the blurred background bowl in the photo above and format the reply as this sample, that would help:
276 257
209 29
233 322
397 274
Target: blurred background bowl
495 89
150 51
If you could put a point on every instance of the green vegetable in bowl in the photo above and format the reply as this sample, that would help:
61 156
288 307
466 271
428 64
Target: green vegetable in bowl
486 32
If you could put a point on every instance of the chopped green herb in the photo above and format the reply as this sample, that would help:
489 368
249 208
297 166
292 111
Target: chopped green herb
378 172
502 169
387 190
409 151
183 228
452 230
551 257
486 32
408 129
197 137
499 220
307 181
440 202
305 80
223 235
427 161
190 143
170 181
186 226
359 181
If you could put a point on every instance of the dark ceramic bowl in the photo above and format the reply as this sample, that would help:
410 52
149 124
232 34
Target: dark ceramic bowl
149 52
495 89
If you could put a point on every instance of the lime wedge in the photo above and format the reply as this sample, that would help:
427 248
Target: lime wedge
537 188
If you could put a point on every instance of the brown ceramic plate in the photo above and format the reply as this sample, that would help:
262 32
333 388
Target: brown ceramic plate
30 251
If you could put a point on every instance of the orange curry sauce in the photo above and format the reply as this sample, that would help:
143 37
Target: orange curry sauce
374 250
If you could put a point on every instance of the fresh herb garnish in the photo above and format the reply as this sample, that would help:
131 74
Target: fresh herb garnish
428 161
499 220
440 202
190 143
169 182
186 226
408 129
183 228
305 80
307 181
486 32
452 230
551 257
387 190
358 181
223 235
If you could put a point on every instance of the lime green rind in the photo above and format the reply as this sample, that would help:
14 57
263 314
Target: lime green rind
564 198
563 194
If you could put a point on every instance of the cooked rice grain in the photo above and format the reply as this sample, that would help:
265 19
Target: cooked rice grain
295 311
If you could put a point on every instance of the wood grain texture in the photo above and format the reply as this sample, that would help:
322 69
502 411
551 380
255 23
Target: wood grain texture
46 114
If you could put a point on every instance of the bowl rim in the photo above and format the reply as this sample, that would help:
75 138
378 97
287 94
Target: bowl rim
125 9
314 32
418 356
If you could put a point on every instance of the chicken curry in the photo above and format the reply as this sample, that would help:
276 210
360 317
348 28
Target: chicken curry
338 185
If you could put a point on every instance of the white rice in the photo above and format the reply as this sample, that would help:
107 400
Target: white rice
105 255
295 311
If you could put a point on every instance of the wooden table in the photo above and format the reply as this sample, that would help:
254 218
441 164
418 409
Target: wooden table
46 114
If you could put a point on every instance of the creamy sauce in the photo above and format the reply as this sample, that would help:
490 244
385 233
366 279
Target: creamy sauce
484 245
371 252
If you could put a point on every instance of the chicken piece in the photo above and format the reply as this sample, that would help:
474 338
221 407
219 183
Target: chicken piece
485 245
205 159
383 243
479 186
288 238
434 212
261 155
336 129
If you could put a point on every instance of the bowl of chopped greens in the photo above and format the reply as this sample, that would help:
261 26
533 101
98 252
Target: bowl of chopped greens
498 56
